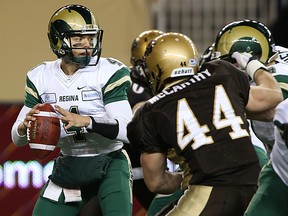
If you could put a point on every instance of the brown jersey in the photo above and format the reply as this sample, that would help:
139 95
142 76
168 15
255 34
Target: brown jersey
139 90
203 119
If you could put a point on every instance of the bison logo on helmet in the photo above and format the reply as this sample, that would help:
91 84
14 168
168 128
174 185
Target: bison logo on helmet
249 45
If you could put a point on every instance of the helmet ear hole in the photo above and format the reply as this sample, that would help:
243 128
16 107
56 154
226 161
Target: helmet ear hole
61 52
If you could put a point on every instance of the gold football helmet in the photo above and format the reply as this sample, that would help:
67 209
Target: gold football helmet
168 57
139 45
245 36
74 20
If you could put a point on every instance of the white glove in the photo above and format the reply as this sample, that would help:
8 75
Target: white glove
250 66
242 58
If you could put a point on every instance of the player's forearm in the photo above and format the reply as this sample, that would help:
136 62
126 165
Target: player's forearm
18 136
112 126
166 185
273 94
264 79
106 127
19 130
121 113
109 128
264 97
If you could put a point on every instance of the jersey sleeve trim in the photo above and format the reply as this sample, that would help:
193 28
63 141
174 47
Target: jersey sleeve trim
31 94
117 83
117 86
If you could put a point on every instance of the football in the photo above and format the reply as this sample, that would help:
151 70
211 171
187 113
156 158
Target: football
44 133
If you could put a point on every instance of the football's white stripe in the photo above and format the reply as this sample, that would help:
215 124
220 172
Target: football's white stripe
42 146
46 114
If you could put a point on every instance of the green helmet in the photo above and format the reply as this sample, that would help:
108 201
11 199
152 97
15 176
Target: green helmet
74 20
245 36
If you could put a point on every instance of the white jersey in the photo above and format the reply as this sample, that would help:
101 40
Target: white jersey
282 54
86 92
265 130
255 140
279 154
280 69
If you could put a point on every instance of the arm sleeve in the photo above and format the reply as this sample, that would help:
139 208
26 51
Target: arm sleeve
113 126
16 138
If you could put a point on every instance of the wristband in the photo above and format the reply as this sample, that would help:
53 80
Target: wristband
104 126
89 127
253 66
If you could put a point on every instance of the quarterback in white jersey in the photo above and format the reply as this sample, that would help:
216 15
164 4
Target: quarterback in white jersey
90 95
90 92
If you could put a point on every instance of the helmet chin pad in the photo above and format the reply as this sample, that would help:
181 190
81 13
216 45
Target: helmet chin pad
81 60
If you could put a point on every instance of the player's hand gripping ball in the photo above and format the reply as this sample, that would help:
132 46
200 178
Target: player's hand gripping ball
44 133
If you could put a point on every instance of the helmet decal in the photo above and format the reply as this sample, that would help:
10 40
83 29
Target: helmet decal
245 36
247 44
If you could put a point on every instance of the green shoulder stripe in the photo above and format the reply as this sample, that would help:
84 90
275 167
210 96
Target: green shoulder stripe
31 94
117 86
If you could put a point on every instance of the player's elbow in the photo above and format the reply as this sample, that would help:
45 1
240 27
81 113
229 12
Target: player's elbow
263 105
266 116
279 96
269 115
153 182
153 186
273 100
